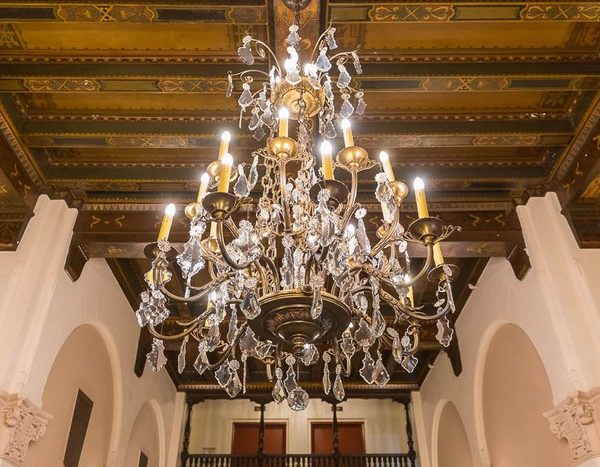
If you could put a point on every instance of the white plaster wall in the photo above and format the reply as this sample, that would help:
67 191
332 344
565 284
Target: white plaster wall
384 422
555 305
55 306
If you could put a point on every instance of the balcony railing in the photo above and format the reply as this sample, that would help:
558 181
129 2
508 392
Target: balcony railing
299 460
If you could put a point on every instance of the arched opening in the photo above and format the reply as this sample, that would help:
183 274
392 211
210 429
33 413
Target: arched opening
516 393
81 366
452 443
144 440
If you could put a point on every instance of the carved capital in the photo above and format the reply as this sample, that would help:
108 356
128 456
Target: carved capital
21 422
577 420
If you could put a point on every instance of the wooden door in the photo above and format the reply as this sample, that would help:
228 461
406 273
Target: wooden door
351 437
245 438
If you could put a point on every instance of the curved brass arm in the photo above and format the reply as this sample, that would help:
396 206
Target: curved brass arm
351 202
385 240
414 312
193 326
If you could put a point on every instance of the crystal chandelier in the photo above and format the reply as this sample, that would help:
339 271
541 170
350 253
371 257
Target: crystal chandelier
296 280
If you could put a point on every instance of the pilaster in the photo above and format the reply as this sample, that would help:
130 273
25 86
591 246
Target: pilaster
21 423
577 420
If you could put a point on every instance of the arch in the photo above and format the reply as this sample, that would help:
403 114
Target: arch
86 361
511 422
450 444
147 435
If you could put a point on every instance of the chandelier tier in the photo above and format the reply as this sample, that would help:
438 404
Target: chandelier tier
301 283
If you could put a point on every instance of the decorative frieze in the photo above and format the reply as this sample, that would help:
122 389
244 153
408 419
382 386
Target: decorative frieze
576 421
21 423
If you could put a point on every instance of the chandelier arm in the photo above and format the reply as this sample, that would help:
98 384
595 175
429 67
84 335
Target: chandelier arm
385 240
193 326
268 49
420 316
228 259
351 204
425 269
193 299
263 277
271 265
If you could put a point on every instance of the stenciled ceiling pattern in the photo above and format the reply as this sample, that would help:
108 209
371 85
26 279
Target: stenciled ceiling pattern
118 108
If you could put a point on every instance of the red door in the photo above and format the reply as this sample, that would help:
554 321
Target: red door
245 438
351 437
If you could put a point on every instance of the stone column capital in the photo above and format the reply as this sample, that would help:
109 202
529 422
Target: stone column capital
21 423
577 420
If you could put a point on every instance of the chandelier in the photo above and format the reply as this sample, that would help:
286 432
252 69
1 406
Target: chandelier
293 279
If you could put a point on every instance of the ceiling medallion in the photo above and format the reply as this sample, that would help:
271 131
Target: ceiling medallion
300 283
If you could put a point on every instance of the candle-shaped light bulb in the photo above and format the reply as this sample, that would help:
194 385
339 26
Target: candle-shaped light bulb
347 129
204 179
167 221
284 115
387 166
225 173
327 160
420 198
224 147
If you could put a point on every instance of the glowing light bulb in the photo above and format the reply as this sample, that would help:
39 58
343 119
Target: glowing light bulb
347 129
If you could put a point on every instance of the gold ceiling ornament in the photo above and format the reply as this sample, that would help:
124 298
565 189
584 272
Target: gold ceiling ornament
301 283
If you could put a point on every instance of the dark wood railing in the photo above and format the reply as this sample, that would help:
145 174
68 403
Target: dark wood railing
298 460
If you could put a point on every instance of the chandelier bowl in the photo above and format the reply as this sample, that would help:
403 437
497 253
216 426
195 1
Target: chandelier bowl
305 98
286 318
220 205
338 192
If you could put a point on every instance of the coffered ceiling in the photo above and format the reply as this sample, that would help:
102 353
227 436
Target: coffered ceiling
117 108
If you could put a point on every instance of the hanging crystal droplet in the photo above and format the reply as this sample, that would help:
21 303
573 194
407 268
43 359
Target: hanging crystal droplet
223 374
250 306
323 63
346 109
290 382
234 385
190 260
181 356
278 389
259 133
409 363
327 89
329 130
356 63
253 175
368 367
293 38
156 357
246 97
330 39
361 106
233 330
361 231
344 77
248 342
380 373
245 51
326 377
254 120
316 282
338 387
445 332
229 85
241 185
298 399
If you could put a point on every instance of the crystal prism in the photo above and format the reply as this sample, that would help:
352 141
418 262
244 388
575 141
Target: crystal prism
278 389
181 355
298 399
248 343
323 63
330 39
409 363
368 368
338 387
346 109
246 97
156 357
245 53
223 374
190 260
241 185
361 106
233 386
344 77
380 373
445 332
250 306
